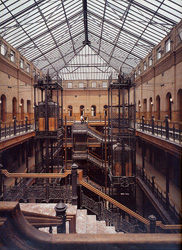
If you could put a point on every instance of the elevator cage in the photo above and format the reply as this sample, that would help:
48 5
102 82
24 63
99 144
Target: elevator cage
49 131
121 134
49 111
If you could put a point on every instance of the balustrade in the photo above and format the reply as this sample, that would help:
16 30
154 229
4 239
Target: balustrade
10 129
165 129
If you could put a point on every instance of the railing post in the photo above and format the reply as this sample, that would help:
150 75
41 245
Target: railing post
167 127
14 125
26 123
1 180
153 184
143 122
0 129
74 184
60 209
153 124
152 220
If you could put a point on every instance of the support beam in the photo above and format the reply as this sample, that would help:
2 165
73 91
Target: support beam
86 42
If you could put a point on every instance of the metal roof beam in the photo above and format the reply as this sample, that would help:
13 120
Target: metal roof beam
21 12
59 44
133 54
153 12
51 29
86 42
124 30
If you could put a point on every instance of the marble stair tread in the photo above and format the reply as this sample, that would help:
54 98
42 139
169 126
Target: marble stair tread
111 230
91 224
81 218
101 227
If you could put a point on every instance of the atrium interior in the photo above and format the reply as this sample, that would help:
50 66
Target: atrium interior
90 124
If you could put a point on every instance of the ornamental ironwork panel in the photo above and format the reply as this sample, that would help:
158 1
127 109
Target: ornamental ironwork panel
90 204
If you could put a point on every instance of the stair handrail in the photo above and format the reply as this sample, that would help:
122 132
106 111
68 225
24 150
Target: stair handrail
94 154
95 130
111 200
124 208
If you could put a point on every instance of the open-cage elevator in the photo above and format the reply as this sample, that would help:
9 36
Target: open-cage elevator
48 105
122 140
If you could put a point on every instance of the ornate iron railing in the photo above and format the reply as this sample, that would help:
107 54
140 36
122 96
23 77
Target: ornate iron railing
10 129
164 129
170 206
114 219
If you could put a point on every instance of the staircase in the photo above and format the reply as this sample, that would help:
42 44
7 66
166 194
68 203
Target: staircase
87 224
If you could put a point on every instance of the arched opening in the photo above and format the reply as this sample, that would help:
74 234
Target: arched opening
179 104
14 107
169 105
145 107
105 110
93 110
82 110
139 108
70 110
158 107
28 108
22 109
3 108
150 107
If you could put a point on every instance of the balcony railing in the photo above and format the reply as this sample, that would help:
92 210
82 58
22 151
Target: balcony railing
13 128
164 129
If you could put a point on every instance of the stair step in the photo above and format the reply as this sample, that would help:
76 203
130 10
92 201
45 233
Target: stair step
111 230
101 227
81 218
91 224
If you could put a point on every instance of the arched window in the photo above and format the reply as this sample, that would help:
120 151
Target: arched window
105 110
28 107
179 104
70 110
158 107
93 110
145 107
82 110
169 105
22 109
3 108
14 107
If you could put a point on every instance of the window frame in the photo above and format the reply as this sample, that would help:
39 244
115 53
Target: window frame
69 85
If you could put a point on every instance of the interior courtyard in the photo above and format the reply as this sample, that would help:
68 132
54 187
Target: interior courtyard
90 124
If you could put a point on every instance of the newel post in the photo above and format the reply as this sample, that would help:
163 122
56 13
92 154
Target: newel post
74 184
60 209
152 220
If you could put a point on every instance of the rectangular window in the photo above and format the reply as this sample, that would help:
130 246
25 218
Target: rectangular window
38 75
167 45
34 72
94 85
4 49
81 84
28 67
21 63
12 56
158 53
144 66
139 70
179 31
104 84
70 85
150 61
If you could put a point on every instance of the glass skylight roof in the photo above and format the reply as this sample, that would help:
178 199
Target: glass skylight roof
55 34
